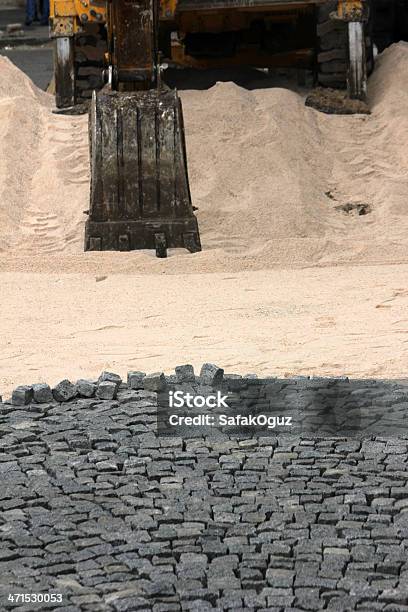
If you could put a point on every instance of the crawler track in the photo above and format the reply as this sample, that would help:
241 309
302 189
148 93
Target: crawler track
90 48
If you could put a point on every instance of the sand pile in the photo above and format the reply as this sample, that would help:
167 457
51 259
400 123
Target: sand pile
43 170
275 183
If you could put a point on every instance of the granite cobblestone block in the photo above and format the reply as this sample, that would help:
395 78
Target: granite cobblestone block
42 393
86 388
135 380
22 395
185 374
110 377
107 390
211 374
154 382
64 391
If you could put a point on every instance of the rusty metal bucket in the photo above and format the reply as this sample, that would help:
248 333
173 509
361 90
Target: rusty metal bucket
140 195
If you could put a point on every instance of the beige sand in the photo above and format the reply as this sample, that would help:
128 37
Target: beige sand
269 177
323 321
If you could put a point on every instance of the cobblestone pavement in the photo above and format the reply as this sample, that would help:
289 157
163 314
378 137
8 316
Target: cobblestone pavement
96 507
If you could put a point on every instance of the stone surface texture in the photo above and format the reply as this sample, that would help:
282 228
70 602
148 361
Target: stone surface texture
95 506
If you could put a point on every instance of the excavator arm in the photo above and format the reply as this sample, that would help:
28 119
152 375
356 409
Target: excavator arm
133 43
140 196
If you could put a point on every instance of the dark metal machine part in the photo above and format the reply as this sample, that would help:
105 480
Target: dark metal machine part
140 196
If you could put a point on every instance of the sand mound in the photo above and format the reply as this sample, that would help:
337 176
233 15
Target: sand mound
16 84
251 174
43 170
275 183
389 82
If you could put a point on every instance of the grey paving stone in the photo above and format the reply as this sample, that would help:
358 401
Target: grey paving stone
64 391
107 390
185 374
211 374
42 393
280 577
86 388
22 395
135 379
110 377
154 382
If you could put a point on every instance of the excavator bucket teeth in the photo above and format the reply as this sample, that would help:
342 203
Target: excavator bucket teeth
140 196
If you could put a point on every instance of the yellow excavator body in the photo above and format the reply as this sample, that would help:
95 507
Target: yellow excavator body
197 34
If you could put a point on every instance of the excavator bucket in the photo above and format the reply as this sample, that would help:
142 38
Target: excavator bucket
140 196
